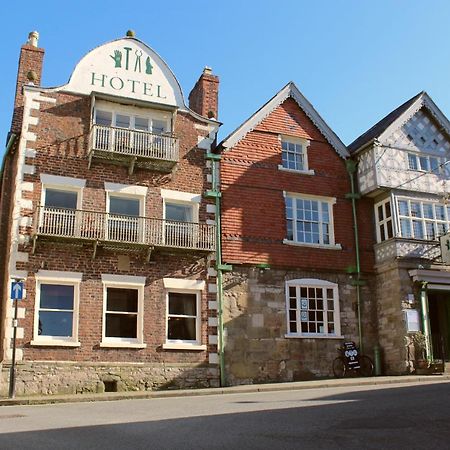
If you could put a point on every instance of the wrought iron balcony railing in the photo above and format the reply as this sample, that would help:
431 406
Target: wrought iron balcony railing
142 148
62 223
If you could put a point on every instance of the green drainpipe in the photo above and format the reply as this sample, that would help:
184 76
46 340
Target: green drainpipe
351 169
220 267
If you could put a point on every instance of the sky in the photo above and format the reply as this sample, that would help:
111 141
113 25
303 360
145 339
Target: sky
354 60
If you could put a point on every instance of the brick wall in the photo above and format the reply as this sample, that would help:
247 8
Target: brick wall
253 207
61 148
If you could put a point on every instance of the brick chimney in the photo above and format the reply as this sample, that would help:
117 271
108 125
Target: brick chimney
29 72
204 97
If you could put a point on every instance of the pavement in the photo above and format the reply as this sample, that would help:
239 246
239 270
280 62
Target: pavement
272 387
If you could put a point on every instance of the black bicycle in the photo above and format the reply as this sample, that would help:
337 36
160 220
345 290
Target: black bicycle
351 363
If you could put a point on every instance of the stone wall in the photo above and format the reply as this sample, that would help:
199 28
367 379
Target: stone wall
393 285
256 349
42 378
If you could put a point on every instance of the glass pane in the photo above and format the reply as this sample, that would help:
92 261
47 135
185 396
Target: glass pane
412 161
434 165
122 205
424 163
293 327
183 304
122 121
103 118
121 325
429 227
403 208
180 213
125 300
440 212
181 328
292 291
405 226
292 315
380 213
387 205
293 303
158 126
61 199
428 210
418 229
390 233
415 209
56 296
55 323
141 123
329 293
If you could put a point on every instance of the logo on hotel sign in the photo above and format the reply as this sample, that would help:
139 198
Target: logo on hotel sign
131 61
445 248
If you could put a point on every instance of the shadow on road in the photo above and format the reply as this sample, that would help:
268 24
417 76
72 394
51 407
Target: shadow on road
394 418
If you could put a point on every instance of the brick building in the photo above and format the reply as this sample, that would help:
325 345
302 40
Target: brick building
297 282
104 217
403 169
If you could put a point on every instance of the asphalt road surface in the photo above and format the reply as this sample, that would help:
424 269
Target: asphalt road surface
414 416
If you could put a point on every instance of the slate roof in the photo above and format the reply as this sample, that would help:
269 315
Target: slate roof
382 125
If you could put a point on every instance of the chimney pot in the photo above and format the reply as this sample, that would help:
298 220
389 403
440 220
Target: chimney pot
207 70
131 33
33 38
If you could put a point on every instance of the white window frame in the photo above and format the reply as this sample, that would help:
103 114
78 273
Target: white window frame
304 143
313 283
384 222
124 282
418 157
133 112
183 286
57 278
422 219
60 183
331 201
182 198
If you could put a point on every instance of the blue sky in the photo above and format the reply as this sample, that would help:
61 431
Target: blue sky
354 60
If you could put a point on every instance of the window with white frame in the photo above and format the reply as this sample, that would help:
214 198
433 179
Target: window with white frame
312 308
158 123
421 219
294 153
424 163
183 326
56 308
309 220
60 198
126 210
122 310
383 215
183 321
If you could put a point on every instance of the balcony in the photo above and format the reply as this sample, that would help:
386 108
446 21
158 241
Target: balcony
133 148
120 232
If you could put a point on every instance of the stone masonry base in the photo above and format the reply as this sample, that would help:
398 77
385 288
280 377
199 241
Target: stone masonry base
41 378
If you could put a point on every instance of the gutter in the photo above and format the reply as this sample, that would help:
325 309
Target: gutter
353 196
220 267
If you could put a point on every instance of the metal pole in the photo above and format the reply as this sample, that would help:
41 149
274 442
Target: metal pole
12 373
426 321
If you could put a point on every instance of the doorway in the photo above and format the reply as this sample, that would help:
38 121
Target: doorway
439 310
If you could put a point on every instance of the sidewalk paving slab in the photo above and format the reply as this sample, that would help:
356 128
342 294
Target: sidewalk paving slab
241 389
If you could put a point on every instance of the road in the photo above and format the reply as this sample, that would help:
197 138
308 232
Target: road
395 417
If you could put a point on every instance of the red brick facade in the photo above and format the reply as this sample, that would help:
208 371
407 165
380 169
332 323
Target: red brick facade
253 208
55 142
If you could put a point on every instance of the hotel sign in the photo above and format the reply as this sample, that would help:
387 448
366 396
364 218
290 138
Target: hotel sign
127 68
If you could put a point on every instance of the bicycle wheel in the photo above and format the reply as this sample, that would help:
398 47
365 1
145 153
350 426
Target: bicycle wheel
339 367
366 366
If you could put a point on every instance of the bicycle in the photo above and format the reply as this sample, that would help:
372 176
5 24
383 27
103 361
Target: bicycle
351 363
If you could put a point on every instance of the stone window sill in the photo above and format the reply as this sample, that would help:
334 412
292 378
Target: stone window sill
54 343
181 346
311 336
122 345
300 172
305 244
